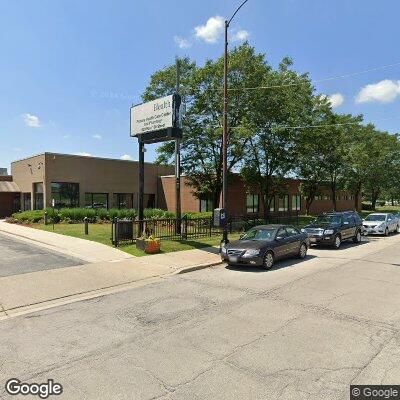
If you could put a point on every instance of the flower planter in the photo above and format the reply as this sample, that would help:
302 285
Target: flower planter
148 246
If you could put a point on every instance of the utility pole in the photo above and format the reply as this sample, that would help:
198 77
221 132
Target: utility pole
178 213
225 239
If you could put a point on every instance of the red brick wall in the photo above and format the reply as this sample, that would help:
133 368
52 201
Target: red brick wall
237 197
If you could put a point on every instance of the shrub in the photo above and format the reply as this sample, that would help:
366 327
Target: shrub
29 216
204 214
367 207
155 213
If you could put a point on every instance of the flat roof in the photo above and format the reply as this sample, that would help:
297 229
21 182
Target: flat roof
86 157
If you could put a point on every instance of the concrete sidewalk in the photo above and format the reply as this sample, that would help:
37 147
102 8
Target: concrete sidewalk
85 250
21 294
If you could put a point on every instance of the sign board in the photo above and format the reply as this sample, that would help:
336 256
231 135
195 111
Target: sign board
156 115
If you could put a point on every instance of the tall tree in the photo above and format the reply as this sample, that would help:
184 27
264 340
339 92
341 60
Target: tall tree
310 159
275 115
201 145
384 151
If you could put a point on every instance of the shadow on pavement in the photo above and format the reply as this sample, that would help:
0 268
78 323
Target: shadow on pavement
288 263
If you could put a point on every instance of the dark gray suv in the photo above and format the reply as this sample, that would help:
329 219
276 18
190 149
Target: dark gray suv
333 228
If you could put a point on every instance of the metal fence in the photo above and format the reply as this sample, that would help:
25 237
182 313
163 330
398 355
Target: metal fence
125 231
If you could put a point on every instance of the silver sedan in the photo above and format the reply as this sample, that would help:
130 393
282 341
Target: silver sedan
381 224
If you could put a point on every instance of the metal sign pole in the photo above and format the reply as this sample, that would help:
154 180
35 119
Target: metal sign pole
178 213
141 186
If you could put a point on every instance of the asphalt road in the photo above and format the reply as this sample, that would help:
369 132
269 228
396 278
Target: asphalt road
18 257
304 330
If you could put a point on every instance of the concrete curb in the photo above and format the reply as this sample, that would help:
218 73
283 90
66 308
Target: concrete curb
198 267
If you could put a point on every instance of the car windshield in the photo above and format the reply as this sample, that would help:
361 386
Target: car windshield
376 217
329 219
259 234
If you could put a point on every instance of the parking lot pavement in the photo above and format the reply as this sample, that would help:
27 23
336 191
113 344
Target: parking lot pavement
303 330
18 257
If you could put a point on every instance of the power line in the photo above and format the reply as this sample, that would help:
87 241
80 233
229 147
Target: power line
318 126
349 75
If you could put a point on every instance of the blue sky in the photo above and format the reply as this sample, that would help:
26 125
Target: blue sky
70 69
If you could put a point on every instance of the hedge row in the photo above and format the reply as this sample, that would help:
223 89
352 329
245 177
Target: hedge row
75 215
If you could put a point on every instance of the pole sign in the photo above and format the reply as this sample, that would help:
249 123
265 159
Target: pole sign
156 115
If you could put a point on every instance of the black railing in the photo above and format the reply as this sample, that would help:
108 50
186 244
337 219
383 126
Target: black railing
123 231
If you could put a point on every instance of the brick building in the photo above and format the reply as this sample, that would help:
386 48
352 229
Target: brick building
242 202
77 181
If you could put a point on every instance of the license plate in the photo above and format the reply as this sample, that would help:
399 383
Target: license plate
313 240
233 259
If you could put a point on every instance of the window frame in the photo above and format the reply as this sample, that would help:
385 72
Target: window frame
253 205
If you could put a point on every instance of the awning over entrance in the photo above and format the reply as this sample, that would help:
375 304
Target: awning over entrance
9 187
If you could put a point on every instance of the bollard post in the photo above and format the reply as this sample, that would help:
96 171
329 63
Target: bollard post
86 220
46 221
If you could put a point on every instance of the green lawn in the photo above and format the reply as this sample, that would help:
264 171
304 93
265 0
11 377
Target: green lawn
102 233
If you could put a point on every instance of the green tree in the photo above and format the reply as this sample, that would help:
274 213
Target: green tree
274 118
384 152
202 89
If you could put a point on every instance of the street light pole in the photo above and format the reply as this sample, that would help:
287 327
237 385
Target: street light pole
225 239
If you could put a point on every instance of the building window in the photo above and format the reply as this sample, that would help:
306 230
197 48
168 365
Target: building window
27 201
252 204
284 203
318 197
96 200
123 200
38 196
296 202
206 205
65 194
17 202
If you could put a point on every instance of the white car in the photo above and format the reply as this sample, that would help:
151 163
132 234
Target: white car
381 224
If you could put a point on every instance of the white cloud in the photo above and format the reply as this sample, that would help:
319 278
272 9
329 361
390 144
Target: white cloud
97 136
126 157
240 35
31 120
211 31
336 99
66 136
84 154
384 92
182 43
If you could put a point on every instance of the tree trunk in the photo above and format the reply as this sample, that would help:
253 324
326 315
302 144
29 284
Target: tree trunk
217 196
309 201
333 191
356 196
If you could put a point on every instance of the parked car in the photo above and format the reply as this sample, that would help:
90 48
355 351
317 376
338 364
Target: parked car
381 224
263 245
333 228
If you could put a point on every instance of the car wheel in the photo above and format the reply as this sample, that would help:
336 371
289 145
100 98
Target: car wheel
398 229
302 251
337 242
268 260
357 238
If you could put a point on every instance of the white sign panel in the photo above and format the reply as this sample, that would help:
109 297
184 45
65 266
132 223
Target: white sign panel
152 116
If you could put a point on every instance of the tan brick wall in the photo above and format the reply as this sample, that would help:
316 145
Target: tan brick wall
94 175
